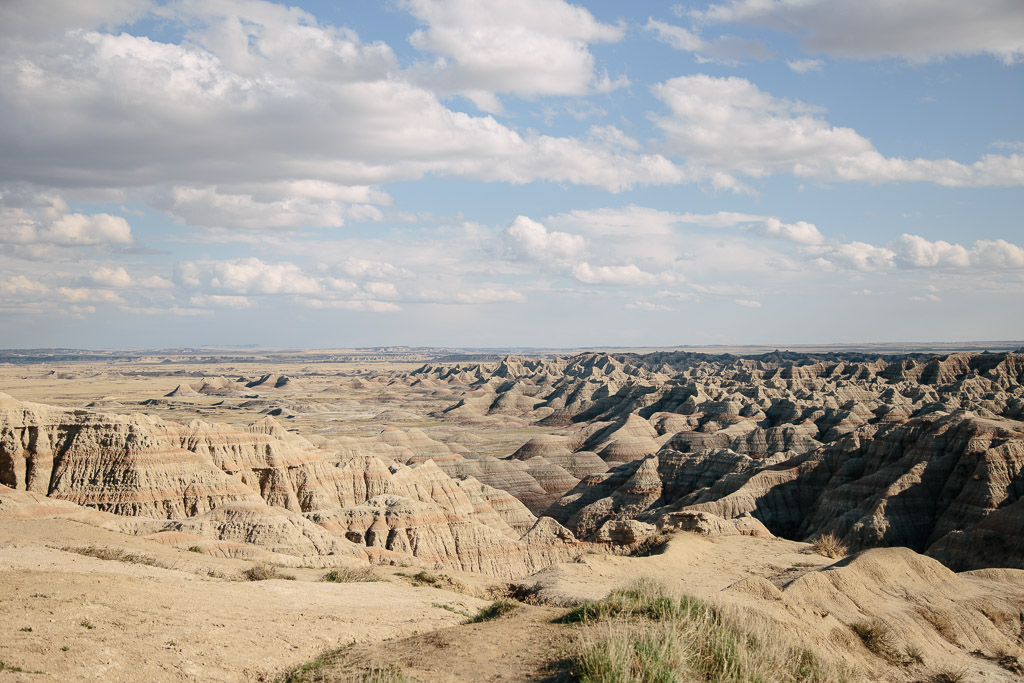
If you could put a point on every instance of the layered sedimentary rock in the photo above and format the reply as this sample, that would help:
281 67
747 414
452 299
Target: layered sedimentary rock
262 485
917 451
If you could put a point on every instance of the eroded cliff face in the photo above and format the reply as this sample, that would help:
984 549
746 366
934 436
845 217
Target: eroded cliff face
263 485
921 452
926 453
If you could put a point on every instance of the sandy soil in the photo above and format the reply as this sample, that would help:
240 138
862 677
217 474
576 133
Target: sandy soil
65 616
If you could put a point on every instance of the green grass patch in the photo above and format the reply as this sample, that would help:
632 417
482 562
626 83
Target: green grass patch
451 609
494 610
643 633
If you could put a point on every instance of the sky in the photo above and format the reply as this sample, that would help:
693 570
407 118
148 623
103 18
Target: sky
480 173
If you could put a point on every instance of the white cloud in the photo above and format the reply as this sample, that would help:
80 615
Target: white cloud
40 218
802 66
727 125
534 241
916 30
220 301
628 275
725 49
207 207
529 48
86 294
21 287
262 96
116 278
245 276
916 252
649 306
360 305
748 303
801 231
155 282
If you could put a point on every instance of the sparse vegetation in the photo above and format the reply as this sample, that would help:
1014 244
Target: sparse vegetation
646 634
949 676
350 575
64 648
424 577
265 572
87 624
913 654
322 669
195 549
877 637
452 609
494 610
829 545
8 667
115 554
26 629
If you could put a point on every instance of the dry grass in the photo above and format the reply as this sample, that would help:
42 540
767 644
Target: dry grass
645 634
829 545
265 572
877 637
948 676
350 575
115 554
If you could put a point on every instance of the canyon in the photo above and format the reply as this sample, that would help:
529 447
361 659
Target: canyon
552 478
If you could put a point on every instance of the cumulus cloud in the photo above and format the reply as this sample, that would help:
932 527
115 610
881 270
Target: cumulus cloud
534 241
801 231
21 287
245 276
628 275
263 95
916 30
529 48
110 277
728 125
28 218
208 207
915 252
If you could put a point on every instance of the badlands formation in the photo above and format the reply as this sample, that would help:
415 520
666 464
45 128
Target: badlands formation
136 493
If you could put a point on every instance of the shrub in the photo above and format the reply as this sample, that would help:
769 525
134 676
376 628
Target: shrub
829 545
949 676
349 575
195 549
116 554
493 611
877 637
264 572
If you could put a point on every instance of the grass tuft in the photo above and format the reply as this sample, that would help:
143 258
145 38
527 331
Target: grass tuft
265 572
350 575
87 624
116 554
829 545
877 637
195 549
494 610
949 676
643 633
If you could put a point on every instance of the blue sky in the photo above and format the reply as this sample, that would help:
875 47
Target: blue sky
482 173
